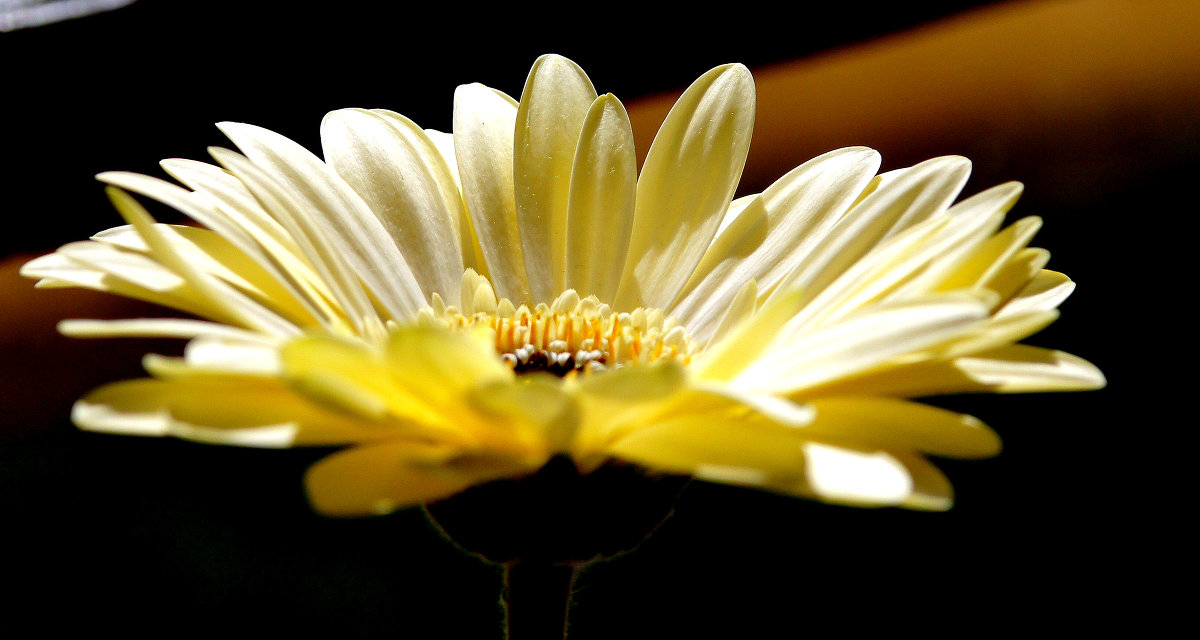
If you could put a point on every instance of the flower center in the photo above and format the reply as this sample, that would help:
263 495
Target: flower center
569 335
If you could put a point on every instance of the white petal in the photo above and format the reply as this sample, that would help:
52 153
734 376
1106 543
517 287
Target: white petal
859 342
276 251
484 122
319 249
236 305
845 475
337 211
913 195
389 166
154 328
767 241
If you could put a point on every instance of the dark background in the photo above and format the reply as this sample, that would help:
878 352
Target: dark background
163 538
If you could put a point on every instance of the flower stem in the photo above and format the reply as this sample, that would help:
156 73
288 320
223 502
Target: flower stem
536 598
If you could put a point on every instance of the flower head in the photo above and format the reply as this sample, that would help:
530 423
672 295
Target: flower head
462 308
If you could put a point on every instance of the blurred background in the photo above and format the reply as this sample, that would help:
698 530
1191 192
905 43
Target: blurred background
1092 104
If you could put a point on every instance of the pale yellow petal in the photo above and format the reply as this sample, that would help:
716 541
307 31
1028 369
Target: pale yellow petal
1045 292
973 221
601 202
860 478
469 239
898 424
741 309
339 213
59 269
620 400
1020 270
318 247
213 254
554 104
913 195
248 313
252 411
767 241
153 328
484 122
859 342
745 342
993 255
688 178
1021 368
1010 369
277 251
355 379
719 448
233 199
389 166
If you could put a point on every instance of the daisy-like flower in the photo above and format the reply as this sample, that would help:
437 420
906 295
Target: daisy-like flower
456 309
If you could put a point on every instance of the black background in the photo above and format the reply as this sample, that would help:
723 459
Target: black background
164 538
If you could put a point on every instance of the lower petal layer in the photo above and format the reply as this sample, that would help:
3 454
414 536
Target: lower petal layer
381 478
223 409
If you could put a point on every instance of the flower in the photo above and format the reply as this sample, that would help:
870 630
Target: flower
462 308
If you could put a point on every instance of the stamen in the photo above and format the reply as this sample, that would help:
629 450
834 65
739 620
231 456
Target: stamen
569 335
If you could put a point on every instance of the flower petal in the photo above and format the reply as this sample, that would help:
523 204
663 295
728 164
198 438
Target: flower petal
252 411
382 478
554 104
1021 368
337 211
898 424
909 197
767 241
688 178
859 342
601 203
864 478
319 249
484 122
245 311
153 328
394 167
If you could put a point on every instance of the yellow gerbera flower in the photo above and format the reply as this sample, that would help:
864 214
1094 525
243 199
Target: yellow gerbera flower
462 308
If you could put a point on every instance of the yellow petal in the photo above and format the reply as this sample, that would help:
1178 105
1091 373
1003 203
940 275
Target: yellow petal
251 411
898 424
993 255
378 479
1046 291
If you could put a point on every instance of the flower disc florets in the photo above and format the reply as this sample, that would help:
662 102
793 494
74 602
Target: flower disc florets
572 334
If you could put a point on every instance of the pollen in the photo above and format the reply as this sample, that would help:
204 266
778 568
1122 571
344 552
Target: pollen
569 335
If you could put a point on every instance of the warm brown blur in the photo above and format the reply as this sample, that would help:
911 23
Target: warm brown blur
42 372
1079 92
1083 94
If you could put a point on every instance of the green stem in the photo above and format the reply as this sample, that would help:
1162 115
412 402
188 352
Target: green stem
536 598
